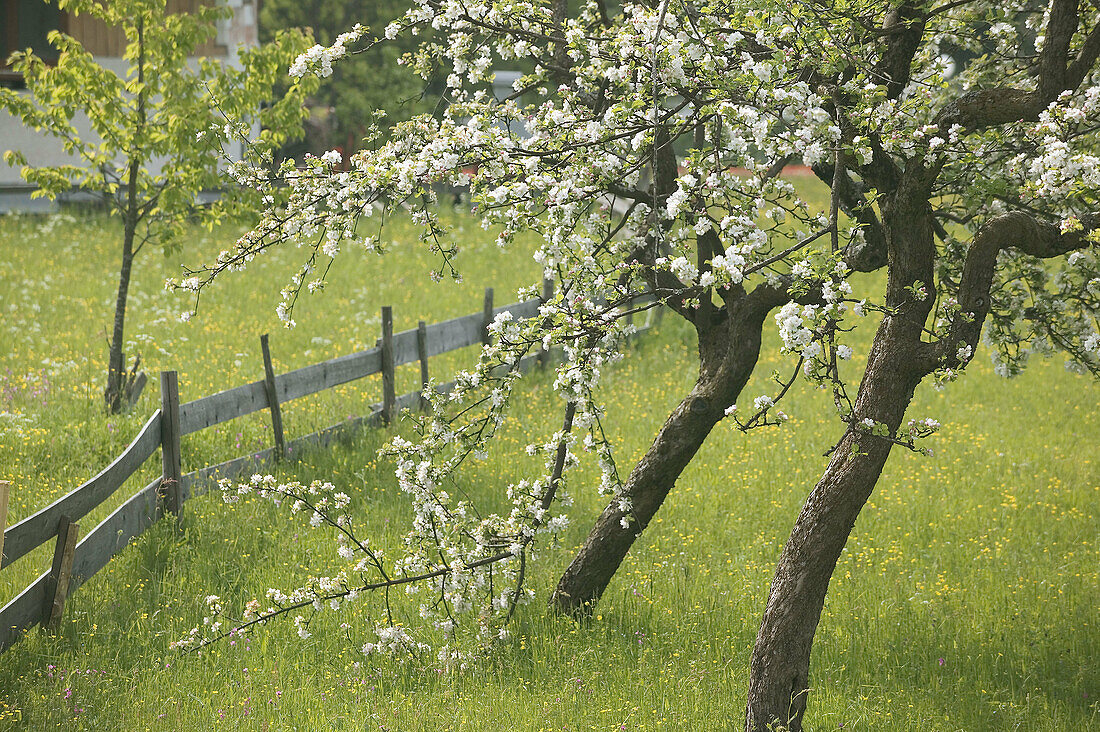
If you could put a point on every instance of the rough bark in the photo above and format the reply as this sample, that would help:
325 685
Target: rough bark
728 356
779 675
899 359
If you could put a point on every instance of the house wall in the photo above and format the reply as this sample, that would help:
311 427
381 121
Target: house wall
102 41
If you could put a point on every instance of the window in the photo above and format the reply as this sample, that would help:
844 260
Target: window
26 24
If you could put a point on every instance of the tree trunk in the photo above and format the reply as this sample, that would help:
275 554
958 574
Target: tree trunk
728 355
779 679
588 575
116 369
117 393
779 675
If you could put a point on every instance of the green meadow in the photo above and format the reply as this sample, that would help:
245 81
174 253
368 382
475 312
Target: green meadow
967 598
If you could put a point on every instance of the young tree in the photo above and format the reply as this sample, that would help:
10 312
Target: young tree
159 132
652 166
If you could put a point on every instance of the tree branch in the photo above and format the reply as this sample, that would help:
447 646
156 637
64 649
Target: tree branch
872 255
895 65
1011 230
983 108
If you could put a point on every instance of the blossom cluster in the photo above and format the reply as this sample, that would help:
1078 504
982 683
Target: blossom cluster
319 59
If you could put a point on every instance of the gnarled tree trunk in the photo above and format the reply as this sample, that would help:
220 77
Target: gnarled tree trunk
728 354
779 679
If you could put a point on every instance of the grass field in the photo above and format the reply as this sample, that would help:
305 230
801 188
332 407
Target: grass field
966 600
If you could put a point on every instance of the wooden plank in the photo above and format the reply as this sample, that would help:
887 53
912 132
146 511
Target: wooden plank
388 396
405 348
57 586
23 612
450 335
446 336
272 399
327 374
222 407
170 443
115 532
407 401
521 310
5 494
456 333
198 482
90 555
422 356
42 526
339 432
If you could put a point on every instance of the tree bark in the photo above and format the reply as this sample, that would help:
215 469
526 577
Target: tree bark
116 370
588 575
898 360
728 355
779 677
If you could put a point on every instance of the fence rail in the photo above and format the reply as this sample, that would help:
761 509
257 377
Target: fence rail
76 561
40 527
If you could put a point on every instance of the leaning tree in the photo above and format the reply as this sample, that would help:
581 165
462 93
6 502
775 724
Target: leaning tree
651 166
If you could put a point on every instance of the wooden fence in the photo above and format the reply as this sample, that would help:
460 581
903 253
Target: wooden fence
74 561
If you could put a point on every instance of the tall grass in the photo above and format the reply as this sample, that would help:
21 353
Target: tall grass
966 599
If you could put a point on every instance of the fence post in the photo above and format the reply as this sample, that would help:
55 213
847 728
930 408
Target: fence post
5 494
273 400
487 316
136 389
170 443
547 294
57 582
389 398
422 354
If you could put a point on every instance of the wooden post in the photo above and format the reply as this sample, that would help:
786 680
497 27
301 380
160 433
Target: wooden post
547 294
487 317
57 582
170 443
422 353
5 494
136 389
630 311
389 397
273 400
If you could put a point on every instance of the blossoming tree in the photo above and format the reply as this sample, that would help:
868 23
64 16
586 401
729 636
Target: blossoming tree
657 137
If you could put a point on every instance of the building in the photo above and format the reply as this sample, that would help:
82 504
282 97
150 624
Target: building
26 23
